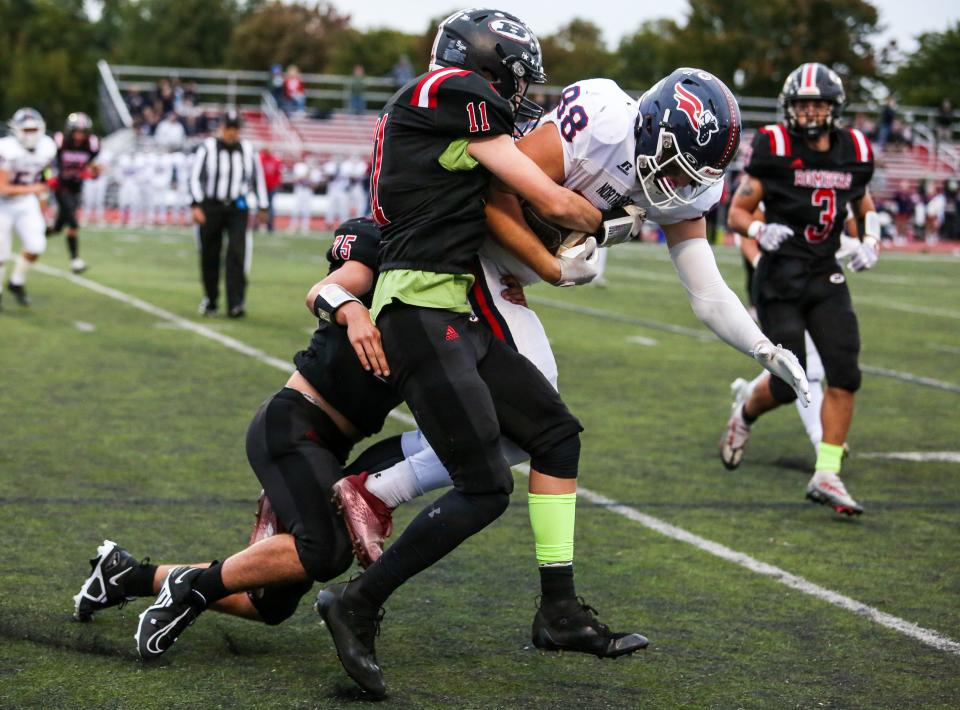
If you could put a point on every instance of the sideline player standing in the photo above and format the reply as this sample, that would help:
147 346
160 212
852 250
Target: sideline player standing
436 140
77 149
24 158
806 171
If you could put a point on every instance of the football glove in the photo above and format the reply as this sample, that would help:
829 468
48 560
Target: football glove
770 236
579 265
784 364
620 224
866 255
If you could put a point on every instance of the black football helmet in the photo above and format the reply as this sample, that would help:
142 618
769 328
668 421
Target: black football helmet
499 45
688 125
812 81
78 121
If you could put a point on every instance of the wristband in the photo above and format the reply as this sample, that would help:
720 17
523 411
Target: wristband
754 229
329 299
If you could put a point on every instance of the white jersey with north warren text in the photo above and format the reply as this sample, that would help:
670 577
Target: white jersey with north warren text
595 120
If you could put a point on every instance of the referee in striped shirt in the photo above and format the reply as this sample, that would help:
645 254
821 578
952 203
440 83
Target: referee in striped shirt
227 175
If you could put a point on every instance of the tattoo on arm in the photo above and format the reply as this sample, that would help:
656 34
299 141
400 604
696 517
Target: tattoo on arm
745 189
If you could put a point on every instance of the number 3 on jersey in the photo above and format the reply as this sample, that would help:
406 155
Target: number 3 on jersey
827 199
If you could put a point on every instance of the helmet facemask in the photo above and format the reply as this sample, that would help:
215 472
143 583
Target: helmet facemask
809 130
27 126
660 175
526 112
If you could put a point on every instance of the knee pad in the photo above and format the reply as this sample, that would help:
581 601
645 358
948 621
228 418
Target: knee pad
490 505
848 378
277 604
327 561
781 391
561 459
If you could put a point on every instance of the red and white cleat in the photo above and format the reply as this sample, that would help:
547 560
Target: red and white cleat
266 524
735 437
827 488
368 519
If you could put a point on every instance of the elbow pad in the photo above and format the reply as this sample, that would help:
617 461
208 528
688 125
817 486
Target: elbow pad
712 301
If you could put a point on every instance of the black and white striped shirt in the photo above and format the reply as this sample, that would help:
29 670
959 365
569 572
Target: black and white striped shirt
225 173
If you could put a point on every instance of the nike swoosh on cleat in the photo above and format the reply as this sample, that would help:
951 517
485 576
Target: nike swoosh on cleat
118 575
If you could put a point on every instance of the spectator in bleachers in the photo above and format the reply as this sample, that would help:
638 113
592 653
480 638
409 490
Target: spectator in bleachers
294 95
945 120
887 117
357 87
402 71
303 184
170 133
163 97
275 84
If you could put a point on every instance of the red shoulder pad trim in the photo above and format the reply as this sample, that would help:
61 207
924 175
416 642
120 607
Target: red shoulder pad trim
425 93
861 145
779 139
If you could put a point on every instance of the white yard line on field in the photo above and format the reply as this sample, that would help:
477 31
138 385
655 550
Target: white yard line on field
926 636
705 335
917 456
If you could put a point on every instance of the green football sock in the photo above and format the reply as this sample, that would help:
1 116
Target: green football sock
829 457
553 519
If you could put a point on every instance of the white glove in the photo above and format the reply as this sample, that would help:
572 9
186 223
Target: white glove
784 364
579 265
769 236
866 256
620 224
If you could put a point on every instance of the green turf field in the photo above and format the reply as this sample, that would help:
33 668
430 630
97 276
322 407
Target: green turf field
119 423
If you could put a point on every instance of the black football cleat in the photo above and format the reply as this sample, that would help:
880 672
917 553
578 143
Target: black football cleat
19 292
354 632
207 307
164 620
573 626
104 587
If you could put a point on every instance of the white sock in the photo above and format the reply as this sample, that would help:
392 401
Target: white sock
19 275
395 485
810 415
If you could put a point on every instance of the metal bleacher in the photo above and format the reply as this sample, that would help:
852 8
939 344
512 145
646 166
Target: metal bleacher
338 132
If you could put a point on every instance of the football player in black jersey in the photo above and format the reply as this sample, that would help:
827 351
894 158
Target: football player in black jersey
807 170
438 140
77 150
296 444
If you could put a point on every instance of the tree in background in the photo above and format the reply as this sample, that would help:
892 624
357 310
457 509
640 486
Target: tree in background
576 51
280 33
47 58
930 74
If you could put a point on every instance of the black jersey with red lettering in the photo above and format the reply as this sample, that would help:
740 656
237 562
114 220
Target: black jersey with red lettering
426 193
73 159
329 362
809 190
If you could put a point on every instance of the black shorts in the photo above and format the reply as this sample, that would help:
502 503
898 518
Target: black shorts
820 304
466 388
297 453
68 202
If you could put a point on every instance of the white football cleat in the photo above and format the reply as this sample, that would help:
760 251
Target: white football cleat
735 438
826 487
78 265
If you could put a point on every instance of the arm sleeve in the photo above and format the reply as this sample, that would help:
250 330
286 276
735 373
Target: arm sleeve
196 175
714 303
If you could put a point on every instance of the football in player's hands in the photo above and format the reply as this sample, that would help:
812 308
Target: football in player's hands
554 237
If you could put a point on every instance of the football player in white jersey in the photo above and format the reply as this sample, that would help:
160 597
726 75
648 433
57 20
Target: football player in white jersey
24 158
663 159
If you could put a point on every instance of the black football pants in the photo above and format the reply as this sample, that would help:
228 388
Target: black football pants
222 218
